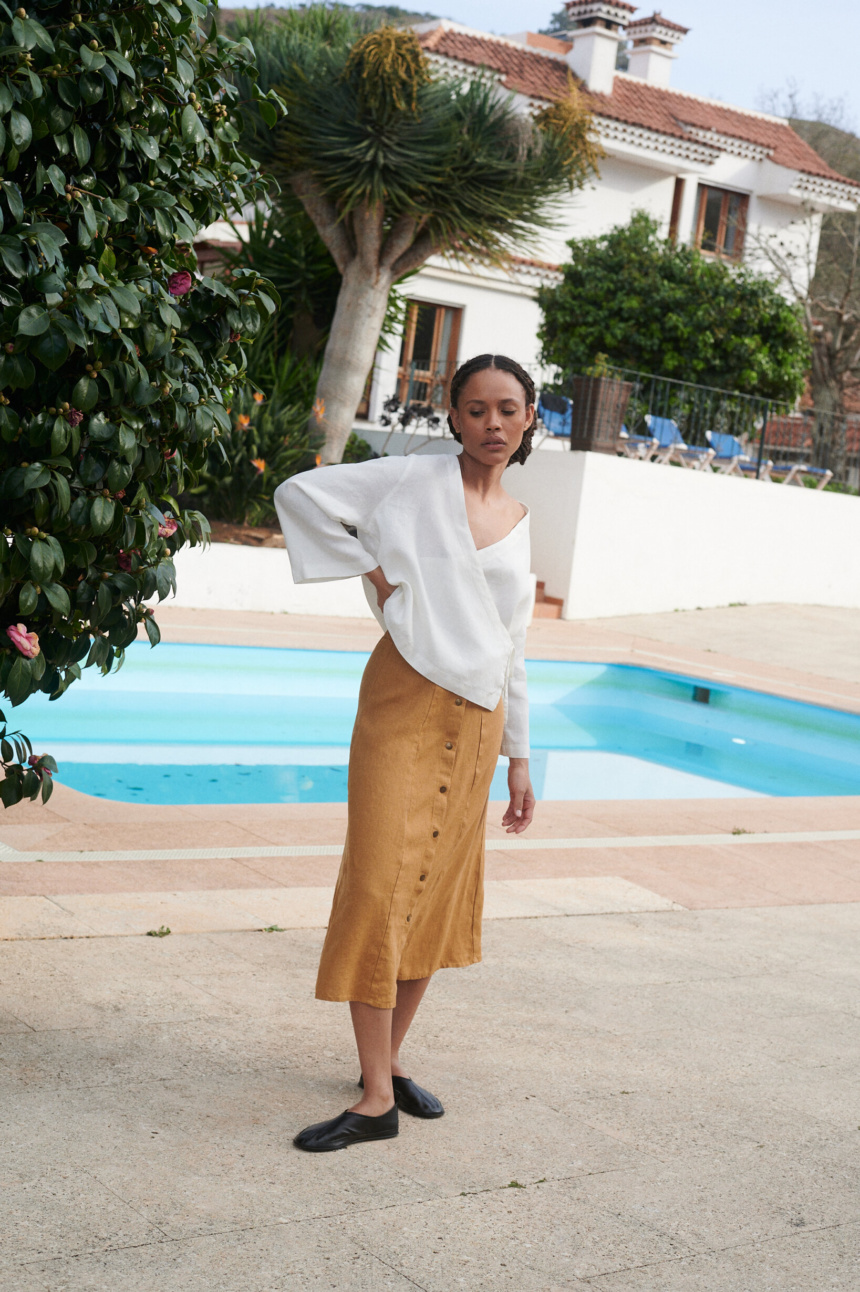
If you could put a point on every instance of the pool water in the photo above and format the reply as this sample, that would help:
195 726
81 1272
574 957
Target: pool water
247 724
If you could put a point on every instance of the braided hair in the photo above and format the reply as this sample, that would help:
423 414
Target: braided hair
503 364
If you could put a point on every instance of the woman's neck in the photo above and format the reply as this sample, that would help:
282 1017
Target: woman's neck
482 478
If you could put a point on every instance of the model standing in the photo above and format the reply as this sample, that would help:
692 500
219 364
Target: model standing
445 556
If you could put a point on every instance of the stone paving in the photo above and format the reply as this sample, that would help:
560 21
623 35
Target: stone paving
653 1090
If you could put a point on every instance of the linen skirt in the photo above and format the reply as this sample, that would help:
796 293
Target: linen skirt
409 896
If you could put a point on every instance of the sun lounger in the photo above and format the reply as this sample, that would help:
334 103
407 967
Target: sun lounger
793 472
636 446
555 413
671 445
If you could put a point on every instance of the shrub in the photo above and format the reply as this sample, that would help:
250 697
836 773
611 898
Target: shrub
118 144
646 304
267 442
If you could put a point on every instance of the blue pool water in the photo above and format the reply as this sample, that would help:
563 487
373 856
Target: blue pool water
236 724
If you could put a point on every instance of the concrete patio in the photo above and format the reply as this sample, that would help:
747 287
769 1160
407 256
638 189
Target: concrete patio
650 1081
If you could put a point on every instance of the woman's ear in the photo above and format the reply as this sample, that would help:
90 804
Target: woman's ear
454 417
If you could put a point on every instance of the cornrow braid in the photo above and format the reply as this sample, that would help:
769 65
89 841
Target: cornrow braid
479 364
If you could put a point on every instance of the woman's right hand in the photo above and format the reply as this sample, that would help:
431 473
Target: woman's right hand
384 589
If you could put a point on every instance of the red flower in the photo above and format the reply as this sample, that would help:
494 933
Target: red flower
180 283
74 417
123 560
234 335
33 761
169 528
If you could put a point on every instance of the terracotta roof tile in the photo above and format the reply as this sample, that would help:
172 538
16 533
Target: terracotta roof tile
633 101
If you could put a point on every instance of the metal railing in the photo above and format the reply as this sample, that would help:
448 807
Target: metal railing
769 430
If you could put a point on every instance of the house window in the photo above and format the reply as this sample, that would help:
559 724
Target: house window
428 353
721 222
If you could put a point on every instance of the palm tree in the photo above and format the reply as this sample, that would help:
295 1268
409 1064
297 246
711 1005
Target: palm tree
393 164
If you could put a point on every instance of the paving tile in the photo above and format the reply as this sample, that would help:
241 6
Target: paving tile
62 1212
824 1260
274 1258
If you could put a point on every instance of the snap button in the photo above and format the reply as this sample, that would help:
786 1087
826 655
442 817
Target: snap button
422 878
448 744
443 789
408 918
435 834
458 701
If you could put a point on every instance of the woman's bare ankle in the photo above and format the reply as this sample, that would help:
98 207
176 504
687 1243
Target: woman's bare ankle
374 1103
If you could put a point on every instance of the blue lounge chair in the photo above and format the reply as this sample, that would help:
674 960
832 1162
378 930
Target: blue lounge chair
636 446
672 447
555 413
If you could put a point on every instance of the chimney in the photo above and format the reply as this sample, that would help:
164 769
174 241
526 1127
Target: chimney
654 40
595 32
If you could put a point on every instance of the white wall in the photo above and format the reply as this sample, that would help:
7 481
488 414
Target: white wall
228 576
613 536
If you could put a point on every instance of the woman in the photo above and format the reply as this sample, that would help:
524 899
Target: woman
445 556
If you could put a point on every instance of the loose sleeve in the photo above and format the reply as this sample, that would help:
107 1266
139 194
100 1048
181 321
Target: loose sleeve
515 739
315 507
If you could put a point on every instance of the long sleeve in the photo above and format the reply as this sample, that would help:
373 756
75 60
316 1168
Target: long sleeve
315 507
515 740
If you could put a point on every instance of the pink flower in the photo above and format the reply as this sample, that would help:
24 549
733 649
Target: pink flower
180 283
27 643
33 761
123 560
169 528
74 417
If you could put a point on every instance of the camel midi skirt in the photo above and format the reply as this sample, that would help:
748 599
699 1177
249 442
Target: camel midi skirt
409 896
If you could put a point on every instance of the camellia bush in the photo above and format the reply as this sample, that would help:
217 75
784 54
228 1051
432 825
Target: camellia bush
119 130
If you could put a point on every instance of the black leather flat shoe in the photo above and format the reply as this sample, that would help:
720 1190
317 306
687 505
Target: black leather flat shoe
349 1128
413 1099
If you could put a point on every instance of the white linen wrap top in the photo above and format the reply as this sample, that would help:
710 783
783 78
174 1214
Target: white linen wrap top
458 615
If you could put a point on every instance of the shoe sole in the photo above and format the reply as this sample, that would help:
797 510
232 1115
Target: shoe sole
335 1148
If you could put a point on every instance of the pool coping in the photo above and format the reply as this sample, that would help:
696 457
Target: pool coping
686 851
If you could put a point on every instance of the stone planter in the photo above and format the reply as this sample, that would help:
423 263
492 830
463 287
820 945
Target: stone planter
598 412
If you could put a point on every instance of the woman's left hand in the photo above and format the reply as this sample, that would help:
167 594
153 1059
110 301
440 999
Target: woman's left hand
521 808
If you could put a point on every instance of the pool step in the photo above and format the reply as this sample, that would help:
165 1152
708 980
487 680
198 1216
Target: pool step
546 607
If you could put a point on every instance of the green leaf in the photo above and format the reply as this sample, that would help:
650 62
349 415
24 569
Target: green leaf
81 145
15 200
147 145
153 631
122 64
107 263
27 599
72 330
85 394
52 349
60 435
41 560
20 130
33 321
126 299
64 493
36 475
58 597
101 516
193 130
18 681
268 112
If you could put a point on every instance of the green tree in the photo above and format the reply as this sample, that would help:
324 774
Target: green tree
646 304
119 142
393 164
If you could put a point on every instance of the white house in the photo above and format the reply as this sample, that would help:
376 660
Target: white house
723 178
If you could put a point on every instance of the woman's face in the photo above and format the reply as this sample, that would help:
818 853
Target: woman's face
491 416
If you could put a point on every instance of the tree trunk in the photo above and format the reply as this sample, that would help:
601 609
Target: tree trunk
349 355
828 433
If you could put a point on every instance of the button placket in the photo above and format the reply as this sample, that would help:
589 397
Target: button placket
443 783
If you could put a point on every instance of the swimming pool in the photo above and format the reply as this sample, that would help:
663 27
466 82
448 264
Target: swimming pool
253 724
